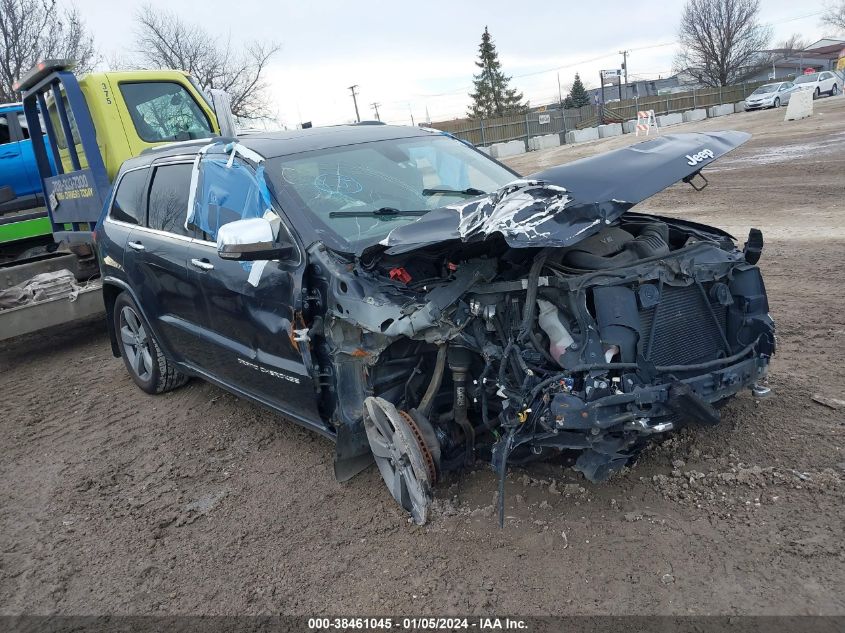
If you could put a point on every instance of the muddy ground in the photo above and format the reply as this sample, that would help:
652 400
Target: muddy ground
196 502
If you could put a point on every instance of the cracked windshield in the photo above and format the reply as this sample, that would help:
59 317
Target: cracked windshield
362 192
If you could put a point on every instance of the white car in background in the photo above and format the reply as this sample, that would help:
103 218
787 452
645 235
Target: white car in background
772 95
824 82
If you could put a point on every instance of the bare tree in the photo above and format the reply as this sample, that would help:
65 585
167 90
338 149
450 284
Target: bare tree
791 45
834 16
35 30
164 40
721 40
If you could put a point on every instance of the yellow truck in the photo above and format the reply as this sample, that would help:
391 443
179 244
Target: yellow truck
82 130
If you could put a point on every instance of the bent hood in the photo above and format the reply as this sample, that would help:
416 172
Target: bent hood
565 204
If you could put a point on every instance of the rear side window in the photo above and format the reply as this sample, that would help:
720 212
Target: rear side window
127 205
164 111
5 135
168 205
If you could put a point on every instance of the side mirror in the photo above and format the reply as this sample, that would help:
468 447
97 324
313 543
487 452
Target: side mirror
252 239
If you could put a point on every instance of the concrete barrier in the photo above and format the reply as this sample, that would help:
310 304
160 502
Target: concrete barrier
579 136
611 129
504 150
800 106
483 148
739 106
629 127
720 110
694 115
547 141
665 120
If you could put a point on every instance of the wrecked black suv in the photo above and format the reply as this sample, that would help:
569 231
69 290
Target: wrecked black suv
422 305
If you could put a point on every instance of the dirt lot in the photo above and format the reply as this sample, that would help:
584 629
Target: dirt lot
195 502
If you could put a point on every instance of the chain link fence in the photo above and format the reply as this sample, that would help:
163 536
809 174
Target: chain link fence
556 121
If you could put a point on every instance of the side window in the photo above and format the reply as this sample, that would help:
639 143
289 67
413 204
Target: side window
24 125
225 194
168 199
164 111
5 135
127 205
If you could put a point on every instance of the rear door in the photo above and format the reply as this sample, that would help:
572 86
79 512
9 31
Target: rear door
28 156
156 263
252 308
12 169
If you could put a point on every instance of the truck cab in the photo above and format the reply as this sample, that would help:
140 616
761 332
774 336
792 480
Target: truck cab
81 131
95 123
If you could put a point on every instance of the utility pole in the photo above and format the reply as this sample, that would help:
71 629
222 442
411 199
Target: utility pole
375 106
411 111
559 93
625 70
355 101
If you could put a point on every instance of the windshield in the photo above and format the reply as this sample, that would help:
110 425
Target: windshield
806 79
361 192
766 89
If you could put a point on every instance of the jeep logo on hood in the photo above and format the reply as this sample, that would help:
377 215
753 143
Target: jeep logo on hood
697 158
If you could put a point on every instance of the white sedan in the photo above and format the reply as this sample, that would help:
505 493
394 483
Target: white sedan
824 82
772 95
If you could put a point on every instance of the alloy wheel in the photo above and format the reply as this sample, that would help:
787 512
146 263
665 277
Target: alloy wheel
400 455
136 343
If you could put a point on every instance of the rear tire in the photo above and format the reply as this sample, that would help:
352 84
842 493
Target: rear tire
140 351
834 91
777 102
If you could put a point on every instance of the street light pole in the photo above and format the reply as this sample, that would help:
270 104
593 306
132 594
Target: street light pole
355 101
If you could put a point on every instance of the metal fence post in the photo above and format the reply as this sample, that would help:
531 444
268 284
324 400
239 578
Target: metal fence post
483 139
527 131
693 98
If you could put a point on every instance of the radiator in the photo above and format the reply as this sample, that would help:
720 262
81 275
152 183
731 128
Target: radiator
686 332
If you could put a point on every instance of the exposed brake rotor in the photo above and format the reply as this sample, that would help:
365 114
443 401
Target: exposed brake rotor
405 462
428 458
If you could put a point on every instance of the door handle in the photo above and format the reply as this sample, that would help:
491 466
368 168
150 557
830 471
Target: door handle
136 246
202 264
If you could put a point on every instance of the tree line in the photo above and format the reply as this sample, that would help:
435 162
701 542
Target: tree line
721 42
36 30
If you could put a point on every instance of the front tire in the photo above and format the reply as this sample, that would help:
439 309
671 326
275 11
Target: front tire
817 93
140 351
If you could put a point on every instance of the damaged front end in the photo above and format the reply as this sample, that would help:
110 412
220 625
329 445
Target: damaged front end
535 321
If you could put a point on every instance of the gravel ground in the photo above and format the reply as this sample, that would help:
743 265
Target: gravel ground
198 503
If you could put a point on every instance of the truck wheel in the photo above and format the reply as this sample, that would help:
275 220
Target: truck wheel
141 354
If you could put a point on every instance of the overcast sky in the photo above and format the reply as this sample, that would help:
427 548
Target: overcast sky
409 56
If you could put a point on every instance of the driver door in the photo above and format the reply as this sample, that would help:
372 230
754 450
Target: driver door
251 308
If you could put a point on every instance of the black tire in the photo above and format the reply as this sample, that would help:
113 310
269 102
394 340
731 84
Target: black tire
834 91
140 351
777 102
817 93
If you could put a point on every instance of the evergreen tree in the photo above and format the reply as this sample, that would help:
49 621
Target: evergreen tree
492 95
578 96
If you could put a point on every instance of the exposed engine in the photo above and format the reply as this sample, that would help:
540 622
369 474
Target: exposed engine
481 350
